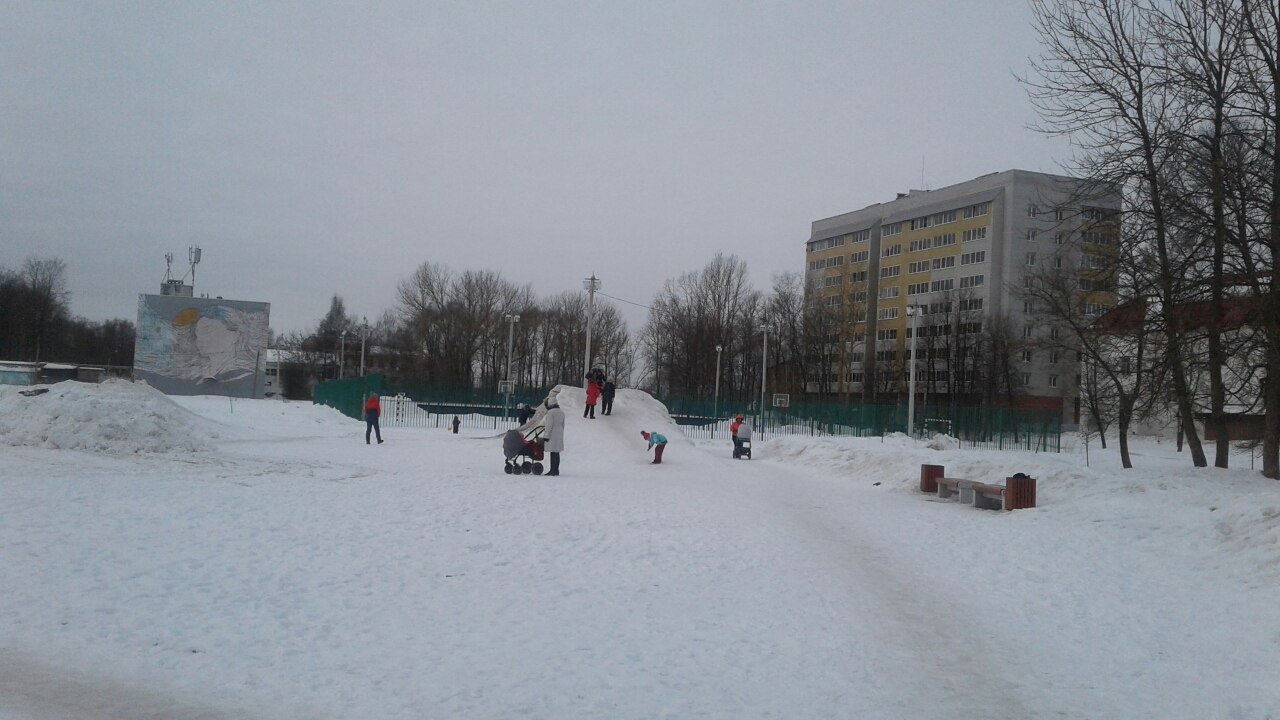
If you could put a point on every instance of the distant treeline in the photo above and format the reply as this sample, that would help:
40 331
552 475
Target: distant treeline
36 322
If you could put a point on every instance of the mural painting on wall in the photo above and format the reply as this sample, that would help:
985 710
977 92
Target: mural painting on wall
190 346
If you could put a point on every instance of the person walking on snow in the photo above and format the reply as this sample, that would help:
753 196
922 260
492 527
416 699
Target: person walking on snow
593 392
372 409
606 397
656 440
553 421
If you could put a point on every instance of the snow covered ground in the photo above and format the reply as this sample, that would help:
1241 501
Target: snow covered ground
208 558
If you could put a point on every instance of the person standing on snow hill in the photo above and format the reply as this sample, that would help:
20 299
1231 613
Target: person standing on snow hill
553 421
606 397
655 441
372 409
593 392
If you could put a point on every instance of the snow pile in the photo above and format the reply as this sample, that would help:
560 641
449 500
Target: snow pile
943 442
115 417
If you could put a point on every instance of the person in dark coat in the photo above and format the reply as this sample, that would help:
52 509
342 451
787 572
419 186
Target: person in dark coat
606 398
523 413
372 409
456 423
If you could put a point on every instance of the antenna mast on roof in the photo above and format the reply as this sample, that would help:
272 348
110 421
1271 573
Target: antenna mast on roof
193 254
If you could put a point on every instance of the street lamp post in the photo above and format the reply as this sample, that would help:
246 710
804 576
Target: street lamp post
511 334
342 353
591 285
764 370
364 335
716 406
912 312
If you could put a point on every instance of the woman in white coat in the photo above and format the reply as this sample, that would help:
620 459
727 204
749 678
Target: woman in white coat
553 421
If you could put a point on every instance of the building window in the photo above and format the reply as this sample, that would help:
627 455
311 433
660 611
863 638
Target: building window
974 234
1028 282
1026 378
918 288
972 281
942 218
891 250
1032 235
942 285
892 229
1060 239
1026 356
1053 381
1026 331
920 223
888 313
944 239
860 256
1026 307
889 334
861 236
891 271
889 292
1057 262
1060 214
976 210
1053 356
1033 210
1053 333
857 277
944 262
970 304
973 258
1031 259
918 245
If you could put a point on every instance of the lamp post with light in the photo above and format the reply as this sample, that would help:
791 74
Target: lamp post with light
764 370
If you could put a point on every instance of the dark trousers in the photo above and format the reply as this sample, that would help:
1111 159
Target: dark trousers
555 463
657 453
606 406
371 425
589 410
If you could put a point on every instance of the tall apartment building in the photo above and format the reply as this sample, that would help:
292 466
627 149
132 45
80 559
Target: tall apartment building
958 256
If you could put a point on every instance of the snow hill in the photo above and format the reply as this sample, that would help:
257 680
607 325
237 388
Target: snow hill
593 446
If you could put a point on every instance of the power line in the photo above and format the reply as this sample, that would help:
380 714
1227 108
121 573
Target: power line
647 307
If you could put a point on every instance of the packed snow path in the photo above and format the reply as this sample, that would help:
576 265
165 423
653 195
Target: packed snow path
296 572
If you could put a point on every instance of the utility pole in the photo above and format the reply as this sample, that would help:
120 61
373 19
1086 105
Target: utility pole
591 284
912 312
716 410
511 334
764 370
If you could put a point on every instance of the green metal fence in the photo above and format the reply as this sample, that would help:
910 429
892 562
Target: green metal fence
989 427
347 396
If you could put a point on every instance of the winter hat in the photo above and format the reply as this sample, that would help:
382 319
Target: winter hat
644 435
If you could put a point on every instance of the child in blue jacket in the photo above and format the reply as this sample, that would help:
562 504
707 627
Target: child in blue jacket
655 441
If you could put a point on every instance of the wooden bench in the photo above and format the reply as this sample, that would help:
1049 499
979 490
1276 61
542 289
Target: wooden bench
988 497
1018 492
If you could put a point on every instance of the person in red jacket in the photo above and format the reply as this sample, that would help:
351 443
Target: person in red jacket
372 409
593 392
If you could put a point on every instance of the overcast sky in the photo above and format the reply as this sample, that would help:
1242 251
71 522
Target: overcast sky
314 148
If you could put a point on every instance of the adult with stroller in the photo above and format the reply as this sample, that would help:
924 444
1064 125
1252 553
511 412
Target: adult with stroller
593 393
606 398
656 440
741 433
372 409
553 421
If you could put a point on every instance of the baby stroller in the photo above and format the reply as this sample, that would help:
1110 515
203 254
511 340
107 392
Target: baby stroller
742 443
516 445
